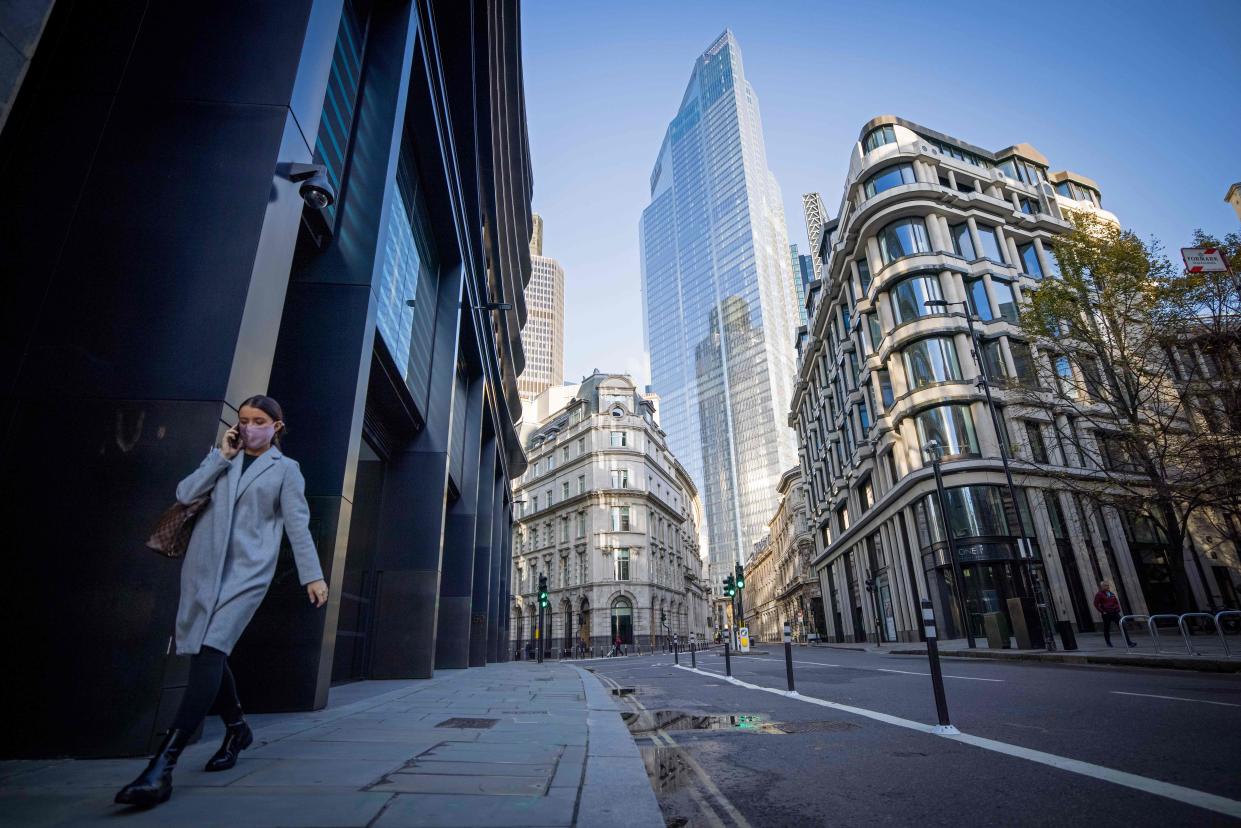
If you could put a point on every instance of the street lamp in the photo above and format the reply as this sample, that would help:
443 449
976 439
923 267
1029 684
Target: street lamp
1041 596
936 452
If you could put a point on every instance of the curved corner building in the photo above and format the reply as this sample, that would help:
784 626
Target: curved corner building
719 307
927 217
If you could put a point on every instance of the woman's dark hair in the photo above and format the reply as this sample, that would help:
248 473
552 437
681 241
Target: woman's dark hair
269 407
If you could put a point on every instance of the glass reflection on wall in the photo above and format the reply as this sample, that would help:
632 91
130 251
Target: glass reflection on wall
406 258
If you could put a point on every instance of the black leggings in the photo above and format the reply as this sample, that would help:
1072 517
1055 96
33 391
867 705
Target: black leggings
211 688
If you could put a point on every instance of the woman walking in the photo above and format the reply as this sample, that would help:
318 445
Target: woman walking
257 494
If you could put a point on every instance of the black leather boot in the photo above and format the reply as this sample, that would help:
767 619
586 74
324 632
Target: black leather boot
154 785
237 737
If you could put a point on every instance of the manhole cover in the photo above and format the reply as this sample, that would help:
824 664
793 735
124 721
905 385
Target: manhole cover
481 724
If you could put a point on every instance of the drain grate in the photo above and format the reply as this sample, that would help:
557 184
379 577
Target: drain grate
622 691
481 724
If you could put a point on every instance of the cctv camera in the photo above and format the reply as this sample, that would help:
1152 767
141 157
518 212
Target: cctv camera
316 190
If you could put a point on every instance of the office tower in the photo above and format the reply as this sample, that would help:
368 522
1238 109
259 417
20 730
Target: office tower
816 217
399 398
543 336
803 275
719 303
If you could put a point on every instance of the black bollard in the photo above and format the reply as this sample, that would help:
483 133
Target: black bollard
788 655
728 661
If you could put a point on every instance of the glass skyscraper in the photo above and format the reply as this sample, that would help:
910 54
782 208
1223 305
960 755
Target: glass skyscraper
719 301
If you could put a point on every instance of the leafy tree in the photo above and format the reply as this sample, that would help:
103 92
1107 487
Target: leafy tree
1104 330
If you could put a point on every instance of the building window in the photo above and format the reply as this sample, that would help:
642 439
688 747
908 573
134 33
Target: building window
620 439
536 503
1005 299
1028 206
889 460
620 518
889 178
873 330
1064 375
581 446
962 244
990 242
564 572
564 490
620 478
1053 264
885 389
877 137
581 524
931 360
564 455
951 426
909 297
1023 363
866 495
863 274
1038 447
581 484
1029 260
980 305
903 238
976 511
993 360
622 564
564 529
551 462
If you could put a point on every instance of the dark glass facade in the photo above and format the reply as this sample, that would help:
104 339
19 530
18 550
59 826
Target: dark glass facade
166 268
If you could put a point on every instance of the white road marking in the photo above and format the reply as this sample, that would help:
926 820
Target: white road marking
875 669
1179 793
916 673
1175 698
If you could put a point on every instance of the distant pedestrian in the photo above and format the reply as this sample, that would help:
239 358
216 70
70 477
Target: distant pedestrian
616 646
256 495
1108 605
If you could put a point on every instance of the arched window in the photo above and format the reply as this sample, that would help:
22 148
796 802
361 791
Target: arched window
903 238
879 136
889 178
622 620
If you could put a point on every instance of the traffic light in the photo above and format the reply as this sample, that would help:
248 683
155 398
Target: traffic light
740 576
730 588
543 601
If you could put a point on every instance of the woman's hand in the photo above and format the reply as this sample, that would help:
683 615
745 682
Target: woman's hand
230 443
317 592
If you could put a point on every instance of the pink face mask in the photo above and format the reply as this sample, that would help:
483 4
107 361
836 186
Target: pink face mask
257 437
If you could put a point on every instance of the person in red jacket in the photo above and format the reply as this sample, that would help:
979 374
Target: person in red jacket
1108 605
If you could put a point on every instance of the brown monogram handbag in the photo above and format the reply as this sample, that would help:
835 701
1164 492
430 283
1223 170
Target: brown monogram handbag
171 536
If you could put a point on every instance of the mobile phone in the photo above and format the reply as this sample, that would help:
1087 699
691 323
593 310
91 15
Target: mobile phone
234 437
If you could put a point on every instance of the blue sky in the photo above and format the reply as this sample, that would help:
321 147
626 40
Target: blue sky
1140 96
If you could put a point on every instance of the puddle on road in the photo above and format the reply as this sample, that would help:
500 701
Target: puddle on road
647 721
667 768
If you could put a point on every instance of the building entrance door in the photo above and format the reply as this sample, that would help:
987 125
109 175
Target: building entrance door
357 591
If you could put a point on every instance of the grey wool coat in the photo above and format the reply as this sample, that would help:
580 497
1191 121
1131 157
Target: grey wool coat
231 558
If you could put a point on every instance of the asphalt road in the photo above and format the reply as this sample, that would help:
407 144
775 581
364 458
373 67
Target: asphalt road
801 763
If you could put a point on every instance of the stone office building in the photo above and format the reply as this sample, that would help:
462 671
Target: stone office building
166 262
610 516
925 216
779 581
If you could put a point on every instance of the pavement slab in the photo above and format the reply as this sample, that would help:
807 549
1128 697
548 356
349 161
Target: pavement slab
384 756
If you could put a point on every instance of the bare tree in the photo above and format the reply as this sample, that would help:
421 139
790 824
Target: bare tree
1106 330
